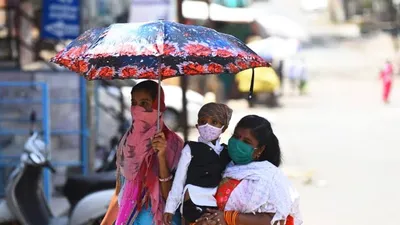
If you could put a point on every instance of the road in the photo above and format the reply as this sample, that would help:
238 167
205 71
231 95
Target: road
344 135
341 131
340 134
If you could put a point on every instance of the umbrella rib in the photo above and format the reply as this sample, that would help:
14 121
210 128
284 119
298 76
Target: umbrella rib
161 48
159 77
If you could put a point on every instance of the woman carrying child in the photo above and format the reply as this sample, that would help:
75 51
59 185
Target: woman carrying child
254 191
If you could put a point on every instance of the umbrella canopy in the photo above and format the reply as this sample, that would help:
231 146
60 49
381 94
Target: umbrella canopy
155 50
266 81
275 47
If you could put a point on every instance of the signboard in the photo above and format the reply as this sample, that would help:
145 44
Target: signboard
150 10
60 19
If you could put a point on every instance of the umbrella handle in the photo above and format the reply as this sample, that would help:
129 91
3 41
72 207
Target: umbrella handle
158 103
251 85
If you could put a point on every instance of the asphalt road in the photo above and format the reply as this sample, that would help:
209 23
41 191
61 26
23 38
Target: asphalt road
340 142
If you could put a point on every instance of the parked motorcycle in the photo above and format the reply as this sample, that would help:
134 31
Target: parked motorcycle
25 202
77 186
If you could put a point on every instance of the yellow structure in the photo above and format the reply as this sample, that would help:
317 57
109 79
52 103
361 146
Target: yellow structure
265 80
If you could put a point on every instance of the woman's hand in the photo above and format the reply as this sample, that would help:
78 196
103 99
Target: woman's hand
159 144
213 217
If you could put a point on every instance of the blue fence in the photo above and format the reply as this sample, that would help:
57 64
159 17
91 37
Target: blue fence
45 101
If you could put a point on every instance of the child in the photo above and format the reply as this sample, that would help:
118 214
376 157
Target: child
200 167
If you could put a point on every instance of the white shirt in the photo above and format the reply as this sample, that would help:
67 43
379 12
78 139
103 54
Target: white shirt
199 195
297 70
263 188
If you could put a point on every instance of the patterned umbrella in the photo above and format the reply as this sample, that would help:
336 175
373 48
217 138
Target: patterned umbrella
155 50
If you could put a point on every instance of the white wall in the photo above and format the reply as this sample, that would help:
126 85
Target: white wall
149 10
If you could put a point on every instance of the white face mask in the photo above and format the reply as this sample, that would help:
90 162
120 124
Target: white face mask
208 132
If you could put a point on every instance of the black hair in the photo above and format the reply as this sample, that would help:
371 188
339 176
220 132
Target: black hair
149 86
262 131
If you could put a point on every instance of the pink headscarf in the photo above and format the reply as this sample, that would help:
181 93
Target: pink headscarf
137 162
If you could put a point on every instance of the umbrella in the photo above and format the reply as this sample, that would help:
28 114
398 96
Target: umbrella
156 50
275 47
267 81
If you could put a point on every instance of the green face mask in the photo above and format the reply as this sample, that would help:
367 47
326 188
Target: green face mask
240 152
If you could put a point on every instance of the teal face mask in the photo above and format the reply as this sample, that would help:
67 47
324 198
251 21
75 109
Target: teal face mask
240 152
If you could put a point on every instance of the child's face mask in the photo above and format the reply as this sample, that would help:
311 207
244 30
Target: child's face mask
208 132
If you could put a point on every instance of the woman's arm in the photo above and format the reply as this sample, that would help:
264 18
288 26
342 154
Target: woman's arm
159 144
215 217
164 173
112 211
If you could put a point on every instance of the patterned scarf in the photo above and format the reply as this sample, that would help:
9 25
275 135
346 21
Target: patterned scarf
137 162
141 186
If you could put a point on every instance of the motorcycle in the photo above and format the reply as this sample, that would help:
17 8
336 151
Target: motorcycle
25 202
77 186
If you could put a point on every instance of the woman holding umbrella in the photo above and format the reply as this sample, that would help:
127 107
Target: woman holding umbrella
146 159
154 50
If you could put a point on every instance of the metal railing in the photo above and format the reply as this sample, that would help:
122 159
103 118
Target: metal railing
7 161
45 119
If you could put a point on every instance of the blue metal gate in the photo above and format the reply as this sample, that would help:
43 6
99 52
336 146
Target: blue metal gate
11 160
8 161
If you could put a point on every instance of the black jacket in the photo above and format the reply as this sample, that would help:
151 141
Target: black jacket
206 167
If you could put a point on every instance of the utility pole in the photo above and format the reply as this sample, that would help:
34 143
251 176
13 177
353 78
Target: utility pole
392 11
90 107
183 79
90 90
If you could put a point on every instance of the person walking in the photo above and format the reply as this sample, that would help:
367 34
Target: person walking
303 78
386 75
298 76
146 161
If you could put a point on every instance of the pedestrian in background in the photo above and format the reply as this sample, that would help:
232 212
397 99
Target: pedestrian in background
386 75
303 78
297 75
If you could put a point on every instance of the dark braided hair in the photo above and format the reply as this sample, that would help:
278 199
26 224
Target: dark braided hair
262 131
